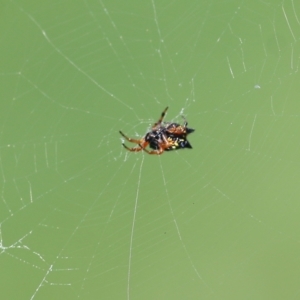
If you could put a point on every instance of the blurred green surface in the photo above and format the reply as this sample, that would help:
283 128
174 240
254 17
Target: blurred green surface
83 218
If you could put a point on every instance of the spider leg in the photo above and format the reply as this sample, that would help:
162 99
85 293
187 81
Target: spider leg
185 122
134 149
141 146
161 117
130 139
157 152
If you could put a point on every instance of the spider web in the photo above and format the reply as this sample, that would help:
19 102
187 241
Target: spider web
81 217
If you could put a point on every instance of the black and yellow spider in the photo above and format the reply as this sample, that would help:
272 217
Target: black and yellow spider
163 136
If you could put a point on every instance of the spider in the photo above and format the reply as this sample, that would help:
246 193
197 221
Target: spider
163 136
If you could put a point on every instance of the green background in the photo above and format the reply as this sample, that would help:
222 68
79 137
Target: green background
80 217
